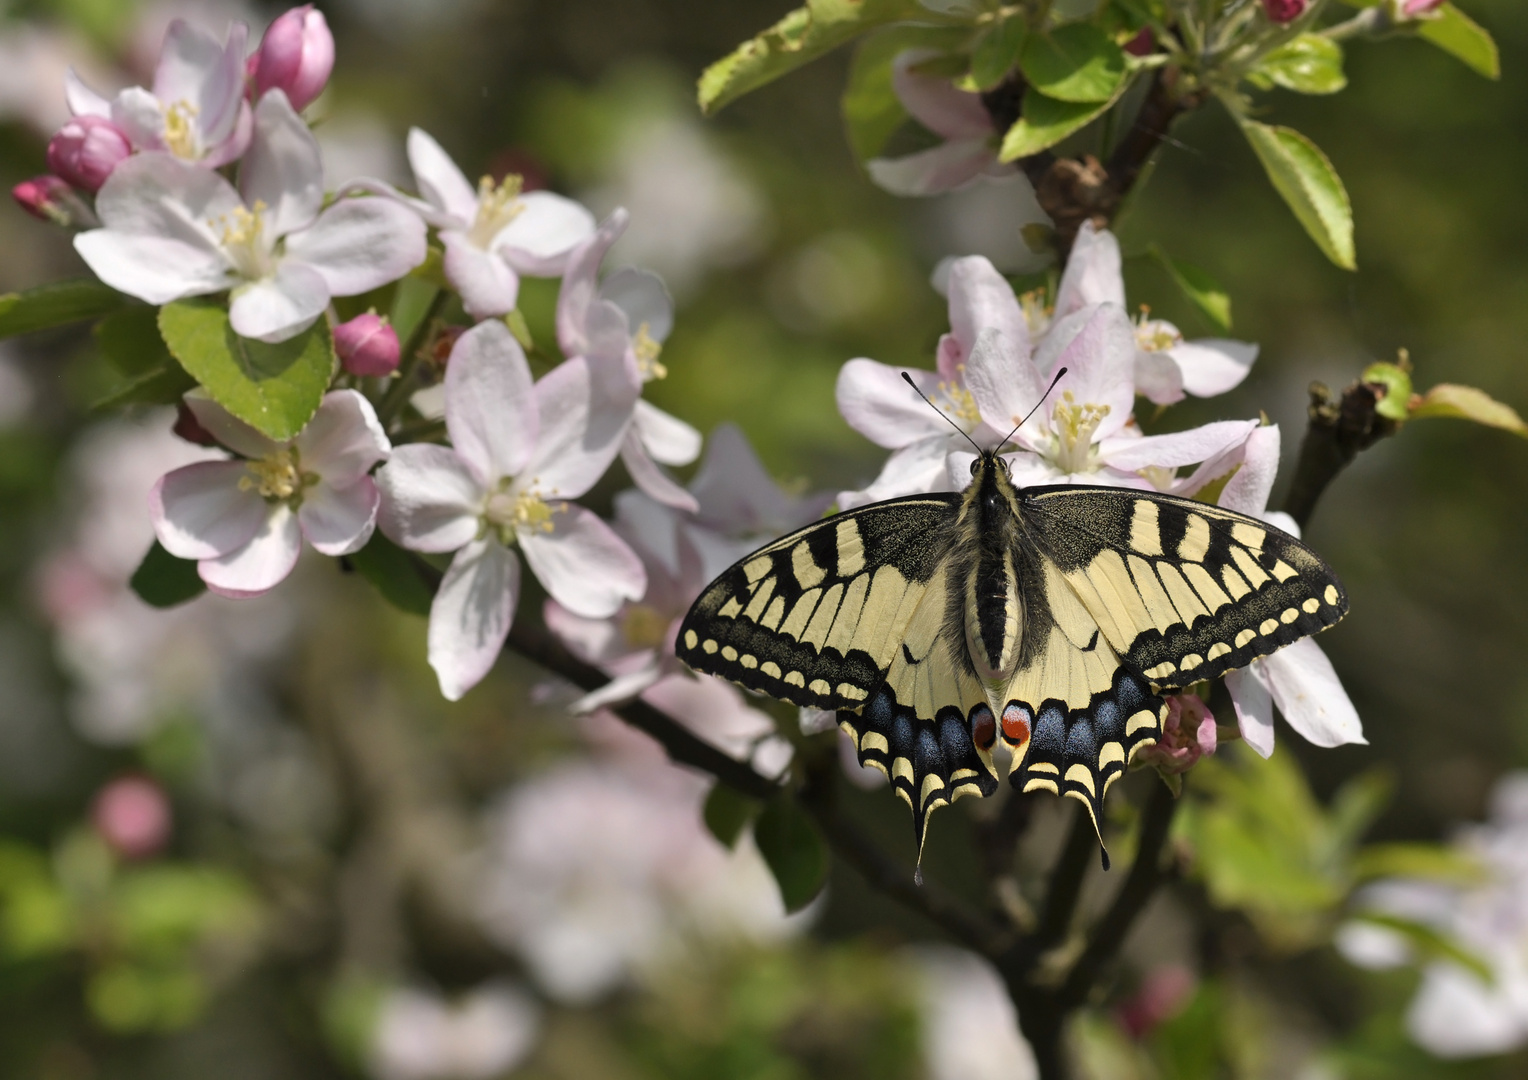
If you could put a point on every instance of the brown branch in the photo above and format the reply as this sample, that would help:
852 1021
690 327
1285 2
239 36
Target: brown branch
1339 428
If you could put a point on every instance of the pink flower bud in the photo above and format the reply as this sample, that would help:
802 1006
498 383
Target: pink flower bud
1162 995
50 199
86 150
132 814
1143 44
296 56
1419 9
1188 733
1285 11
188 427
367 345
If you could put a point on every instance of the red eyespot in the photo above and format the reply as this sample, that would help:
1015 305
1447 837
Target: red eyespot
983 727
1016 723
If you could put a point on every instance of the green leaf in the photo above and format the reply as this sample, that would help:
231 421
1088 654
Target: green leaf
1468 403
997 50
521 329
129 341
1203 291
1308 64
1433 862
276 389
163 386
802 36
1077 63
395 574
58 304
727 813
163 581
872 113
1301 173
1430 944
1396 402
1045 122
1462 37
794 850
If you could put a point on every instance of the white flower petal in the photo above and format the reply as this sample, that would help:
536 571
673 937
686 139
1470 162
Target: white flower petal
544 233
232 148
199 512
646 474
228 429
981 299
430 499
1457 1015
82 100
491 410
946 167
667 438
343 440
583 420
1310 696
488 285
191 63
594 641
917 468
1093 274
1248 489
261 564
471 615
580 283
283 168
221 93
1212 366
1157 377
280 307
339 520
1100 363
1175 449
878 403
618 690
607 337
1002 380
1254 706
155 269
439 180
583 564
139 113
935 103
360 244
644 298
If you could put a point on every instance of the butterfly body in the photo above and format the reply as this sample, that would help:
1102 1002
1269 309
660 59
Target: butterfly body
1054 618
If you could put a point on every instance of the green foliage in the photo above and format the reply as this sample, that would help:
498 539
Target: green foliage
727 813
1076 63
1044 122
997 50
1463 38
395 573
794 849
1468 403
1202 290
275 389
1396 380
872 113
129 341
1301 173
58 304
1307 64
35 918
163 581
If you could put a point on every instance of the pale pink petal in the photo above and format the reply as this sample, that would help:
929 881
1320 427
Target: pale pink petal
189 59
471 615
232 148
1212 366
620 689
667 438
915 469
155 269
1157 377
642 295
222 92
543 234
360 244
1310 696
1002 380
1093 274
607 338
1178 448
491 402
261 564
199 512
714 710
877 402
1100 363
935 103
283 168
82 100
980 299
946 167
228 429
1456 1014
646 474
583 420
1254 706
343 440
594 641
431 501
488 286
338 521
280 307
140 114
1248 489
583 564
439 180
580 283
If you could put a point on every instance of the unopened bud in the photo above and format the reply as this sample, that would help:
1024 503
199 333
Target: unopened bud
86 150
295 56
1143 44
1413 10
48 198
132 814
1285 11
188 427
367 345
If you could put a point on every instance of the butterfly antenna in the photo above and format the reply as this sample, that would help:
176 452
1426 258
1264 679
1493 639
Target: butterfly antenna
1036 409
908 379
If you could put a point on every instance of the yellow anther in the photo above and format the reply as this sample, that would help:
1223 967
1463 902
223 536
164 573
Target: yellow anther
644 626
498 205
179 132
509 512
277 476
1156 335
243 234
647 352
1073 426
1037 314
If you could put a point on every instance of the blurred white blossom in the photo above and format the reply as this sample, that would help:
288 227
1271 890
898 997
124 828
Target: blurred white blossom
419 1035
970 1031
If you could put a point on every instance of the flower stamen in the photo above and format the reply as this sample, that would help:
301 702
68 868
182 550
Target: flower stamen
1073 426
957 403
647 352
498 205
179 131
509 512
277 477
243 235
644 626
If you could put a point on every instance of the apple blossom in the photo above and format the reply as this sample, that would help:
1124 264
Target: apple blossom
132 814
1285 11
481 1036
196 111
173 230
740 502
47 198
518 452
295 56
86 150
244 520
1188 733
367 345
619 326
